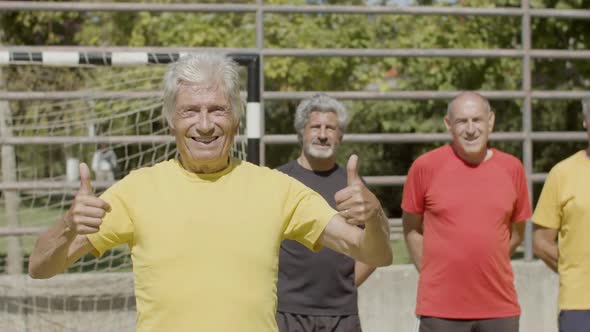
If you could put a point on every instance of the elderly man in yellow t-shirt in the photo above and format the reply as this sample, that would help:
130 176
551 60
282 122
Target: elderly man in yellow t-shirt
563 214
205 229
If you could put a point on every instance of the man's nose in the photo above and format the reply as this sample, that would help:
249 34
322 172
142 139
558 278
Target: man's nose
470 127
323 133
204 123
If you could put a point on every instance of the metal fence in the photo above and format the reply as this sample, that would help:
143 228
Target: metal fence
525 53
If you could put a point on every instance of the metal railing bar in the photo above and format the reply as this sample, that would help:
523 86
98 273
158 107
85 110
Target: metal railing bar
544 136
308 9
394 225
382 180
297 95
319 52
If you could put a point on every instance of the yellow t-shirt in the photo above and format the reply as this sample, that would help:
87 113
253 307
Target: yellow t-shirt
564 205
205 247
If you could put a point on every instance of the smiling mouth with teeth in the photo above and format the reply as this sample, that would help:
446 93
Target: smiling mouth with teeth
205 140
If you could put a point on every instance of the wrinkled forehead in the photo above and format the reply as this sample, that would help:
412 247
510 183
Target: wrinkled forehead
323 115
193 94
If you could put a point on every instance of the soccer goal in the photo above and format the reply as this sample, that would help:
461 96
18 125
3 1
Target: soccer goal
107 114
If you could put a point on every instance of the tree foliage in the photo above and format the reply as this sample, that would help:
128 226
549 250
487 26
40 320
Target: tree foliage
349 73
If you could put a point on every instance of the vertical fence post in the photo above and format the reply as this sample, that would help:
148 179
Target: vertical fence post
527 125
14 251
259 48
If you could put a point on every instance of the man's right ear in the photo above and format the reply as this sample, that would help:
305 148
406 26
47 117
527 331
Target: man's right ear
170 125
447 122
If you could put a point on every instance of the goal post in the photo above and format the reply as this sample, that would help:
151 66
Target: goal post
254 112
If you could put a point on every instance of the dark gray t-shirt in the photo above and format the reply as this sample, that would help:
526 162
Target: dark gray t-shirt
320 283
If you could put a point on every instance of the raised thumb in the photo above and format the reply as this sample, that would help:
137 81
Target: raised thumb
85 185
352 174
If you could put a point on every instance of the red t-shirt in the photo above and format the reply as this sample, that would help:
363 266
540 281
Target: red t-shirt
468 211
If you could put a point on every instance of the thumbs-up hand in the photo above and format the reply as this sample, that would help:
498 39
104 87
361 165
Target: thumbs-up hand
357 204
86 213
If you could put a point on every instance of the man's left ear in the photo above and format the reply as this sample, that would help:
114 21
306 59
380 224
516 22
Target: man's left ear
491 120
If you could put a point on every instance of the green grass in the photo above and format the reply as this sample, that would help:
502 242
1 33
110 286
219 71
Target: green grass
29 217
400 252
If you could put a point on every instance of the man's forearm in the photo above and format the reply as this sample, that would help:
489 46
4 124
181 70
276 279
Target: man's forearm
548 253
414 244
362 272
516 235
514 243
374 245
49 257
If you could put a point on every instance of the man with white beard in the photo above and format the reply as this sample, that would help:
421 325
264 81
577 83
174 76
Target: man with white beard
325 296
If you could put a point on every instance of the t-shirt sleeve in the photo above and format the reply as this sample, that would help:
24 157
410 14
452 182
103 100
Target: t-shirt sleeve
306 214
522 207
117 226
414 190
548 209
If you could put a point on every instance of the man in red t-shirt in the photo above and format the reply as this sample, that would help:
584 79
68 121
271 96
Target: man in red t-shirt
464 210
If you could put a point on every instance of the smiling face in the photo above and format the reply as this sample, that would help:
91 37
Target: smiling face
204 127
321 136
470 123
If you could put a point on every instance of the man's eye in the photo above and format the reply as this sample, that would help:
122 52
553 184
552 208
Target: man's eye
187 113
219 110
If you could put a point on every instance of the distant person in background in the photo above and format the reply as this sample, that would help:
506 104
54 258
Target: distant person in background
464 211
104 163
318 291
562 233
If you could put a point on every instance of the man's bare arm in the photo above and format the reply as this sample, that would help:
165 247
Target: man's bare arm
65 242
516 235
414 236
362 272
56 250
545 245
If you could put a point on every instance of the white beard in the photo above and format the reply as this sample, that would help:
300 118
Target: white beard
314 152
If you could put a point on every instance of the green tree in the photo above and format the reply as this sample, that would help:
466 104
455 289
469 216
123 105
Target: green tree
346 73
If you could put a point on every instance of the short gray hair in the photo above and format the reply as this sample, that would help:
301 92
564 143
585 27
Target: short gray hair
586 106
467 93
210 70
319 103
